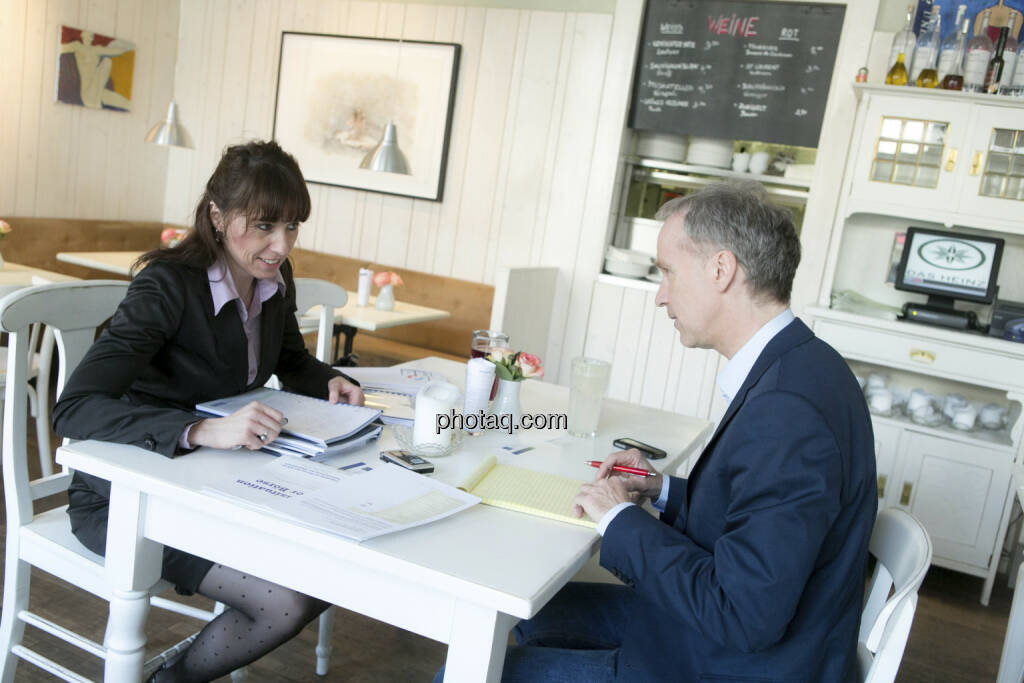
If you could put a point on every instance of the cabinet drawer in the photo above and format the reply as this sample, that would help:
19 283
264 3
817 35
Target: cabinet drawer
920 354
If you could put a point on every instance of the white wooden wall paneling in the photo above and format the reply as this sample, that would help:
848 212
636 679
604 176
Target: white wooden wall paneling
11 23
31 96
602 332
52 158
564 229
531 114
641 353
610 116
486 133
663 340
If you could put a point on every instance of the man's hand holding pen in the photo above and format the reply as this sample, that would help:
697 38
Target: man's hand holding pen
611 487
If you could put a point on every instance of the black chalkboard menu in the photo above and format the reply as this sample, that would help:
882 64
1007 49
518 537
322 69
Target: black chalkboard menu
736 69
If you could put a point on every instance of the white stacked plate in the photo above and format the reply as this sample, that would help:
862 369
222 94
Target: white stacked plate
714 152
661 146
627 263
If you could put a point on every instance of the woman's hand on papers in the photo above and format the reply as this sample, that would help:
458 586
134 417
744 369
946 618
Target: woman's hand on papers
340 389
250 427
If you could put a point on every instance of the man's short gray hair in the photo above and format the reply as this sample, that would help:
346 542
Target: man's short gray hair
740 218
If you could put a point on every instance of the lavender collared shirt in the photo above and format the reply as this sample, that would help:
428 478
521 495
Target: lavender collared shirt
223 291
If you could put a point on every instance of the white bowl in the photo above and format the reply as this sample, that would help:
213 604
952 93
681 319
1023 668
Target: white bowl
628 256
715 152
627 269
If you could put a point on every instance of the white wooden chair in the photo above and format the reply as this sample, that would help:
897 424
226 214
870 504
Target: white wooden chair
310 292
73 311
903 552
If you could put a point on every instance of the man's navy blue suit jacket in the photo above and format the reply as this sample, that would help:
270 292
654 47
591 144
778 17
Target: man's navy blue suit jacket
755 571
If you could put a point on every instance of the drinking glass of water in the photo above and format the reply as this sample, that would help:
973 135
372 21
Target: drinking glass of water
586 391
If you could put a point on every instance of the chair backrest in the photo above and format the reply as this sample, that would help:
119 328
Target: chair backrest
73 310
524 298
903 552
310 292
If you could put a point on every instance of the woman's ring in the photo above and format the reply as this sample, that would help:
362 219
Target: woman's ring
263 436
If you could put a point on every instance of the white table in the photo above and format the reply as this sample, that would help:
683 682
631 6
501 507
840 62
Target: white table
464 580
1011 664
346 320
15 275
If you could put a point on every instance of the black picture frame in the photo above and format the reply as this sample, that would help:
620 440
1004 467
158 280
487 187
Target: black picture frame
336 93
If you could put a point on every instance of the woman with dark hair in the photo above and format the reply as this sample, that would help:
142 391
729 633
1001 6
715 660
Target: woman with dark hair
209 318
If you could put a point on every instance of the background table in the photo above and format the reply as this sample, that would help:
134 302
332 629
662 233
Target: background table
15 275
346 320
464 580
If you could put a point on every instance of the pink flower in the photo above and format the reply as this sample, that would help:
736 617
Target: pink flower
387 277
5 228
529 365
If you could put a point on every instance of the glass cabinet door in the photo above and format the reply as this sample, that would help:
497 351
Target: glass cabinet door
994 186
908 153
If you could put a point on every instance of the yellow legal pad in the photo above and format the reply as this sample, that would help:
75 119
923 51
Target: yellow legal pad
535 493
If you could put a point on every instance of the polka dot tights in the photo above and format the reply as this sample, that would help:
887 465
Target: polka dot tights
260 616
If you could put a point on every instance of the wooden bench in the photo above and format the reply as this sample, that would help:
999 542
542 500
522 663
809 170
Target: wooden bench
36 241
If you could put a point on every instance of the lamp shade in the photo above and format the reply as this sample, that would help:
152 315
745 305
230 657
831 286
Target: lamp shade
170 131
386 156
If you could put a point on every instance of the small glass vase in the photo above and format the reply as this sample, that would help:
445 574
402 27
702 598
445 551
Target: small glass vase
386 298
506 402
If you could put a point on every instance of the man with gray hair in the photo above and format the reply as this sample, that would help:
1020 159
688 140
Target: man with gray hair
755 569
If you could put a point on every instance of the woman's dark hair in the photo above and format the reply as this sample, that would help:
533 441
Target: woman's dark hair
258 180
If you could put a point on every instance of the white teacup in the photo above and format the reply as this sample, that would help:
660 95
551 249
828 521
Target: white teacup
918 399
992 416
924 411
740 162
759 162
880 401
952 403
963 418
877 381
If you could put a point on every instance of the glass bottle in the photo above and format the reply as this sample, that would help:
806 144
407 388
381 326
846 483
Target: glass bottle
979 53
1010 52
898 73
904 41
996 64
928 77
951 48
954 78
926 52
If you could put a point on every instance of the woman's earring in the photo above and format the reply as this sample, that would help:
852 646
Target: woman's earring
218 236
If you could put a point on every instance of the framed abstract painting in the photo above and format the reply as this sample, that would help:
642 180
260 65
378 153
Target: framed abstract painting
94 70
336 95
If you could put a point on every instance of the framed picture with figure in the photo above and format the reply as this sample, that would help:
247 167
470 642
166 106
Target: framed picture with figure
337 94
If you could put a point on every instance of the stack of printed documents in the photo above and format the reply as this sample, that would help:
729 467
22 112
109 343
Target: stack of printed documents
392 390
315 429
358 501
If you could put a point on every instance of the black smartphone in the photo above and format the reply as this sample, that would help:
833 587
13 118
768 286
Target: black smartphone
408 461
648 450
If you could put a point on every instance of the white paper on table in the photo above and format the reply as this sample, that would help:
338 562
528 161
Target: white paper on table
358 502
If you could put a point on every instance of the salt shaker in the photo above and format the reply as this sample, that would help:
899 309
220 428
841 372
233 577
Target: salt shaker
363 293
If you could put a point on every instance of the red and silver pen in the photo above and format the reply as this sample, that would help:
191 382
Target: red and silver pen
622 468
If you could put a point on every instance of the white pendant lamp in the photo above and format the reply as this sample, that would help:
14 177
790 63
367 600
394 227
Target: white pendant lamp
170 131
387 156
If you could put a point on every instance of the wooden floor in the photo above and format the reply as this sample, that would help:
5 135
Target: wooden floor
953 639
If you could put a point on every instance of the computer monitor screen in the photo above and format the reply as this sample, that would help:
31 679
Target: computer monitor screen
949 265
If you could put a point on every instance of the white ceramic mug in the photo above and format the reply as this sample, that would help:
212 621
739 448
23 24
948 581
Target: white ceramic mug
992 416
880 401
759 162
963 418
918 399
740 162
952 403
